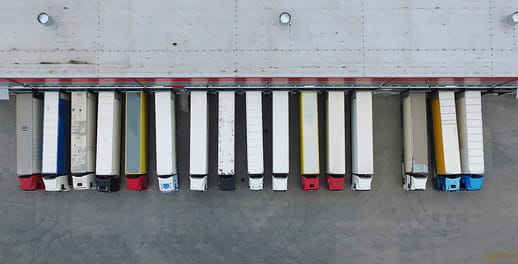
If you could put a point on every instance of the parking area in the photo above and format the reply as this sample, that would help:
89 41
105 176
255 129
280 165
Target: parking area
385 225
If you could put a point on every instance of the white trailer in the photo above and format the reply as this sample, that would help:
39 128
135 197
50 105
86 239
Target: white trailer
446 141
415 139
56 141
165 129
107 164
199 141
471 139
280 140
362 140
309 147
335 124
226 128
83 136
254 139
29 136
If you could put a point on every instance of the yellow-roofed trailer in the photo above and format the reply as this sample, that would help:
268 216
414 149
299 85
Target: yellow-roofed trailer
446 141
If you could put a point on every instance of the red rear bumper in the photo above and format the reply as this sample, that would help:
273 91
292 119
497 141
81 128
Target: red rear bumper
136 183
33 182
310 183
335 183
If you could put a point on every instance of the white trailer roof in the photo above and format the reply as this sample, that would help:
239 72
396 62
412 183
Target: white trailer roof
199 129
471 140
83 132
50 132
280 132
361 133
309 160
415 133
335 117
53 157
226 128
450 139
165 133
29 133
108 133
254 132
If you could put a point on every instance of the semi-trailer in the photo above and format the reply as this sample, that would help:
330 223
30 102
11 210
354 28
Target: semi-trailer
107 165
446 141
309 147
335 140
165 134
280 140
471 139
56 141
135 148
199 141
362 140
254 140
226 128
29 139
415 141
83 126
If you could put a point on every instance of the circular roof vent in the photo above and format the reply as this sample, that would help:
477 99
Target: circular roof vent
285 18
513 18
44 19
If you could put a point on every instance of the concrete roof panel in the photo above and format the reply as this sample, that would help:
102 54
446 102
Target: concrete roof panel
232 38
